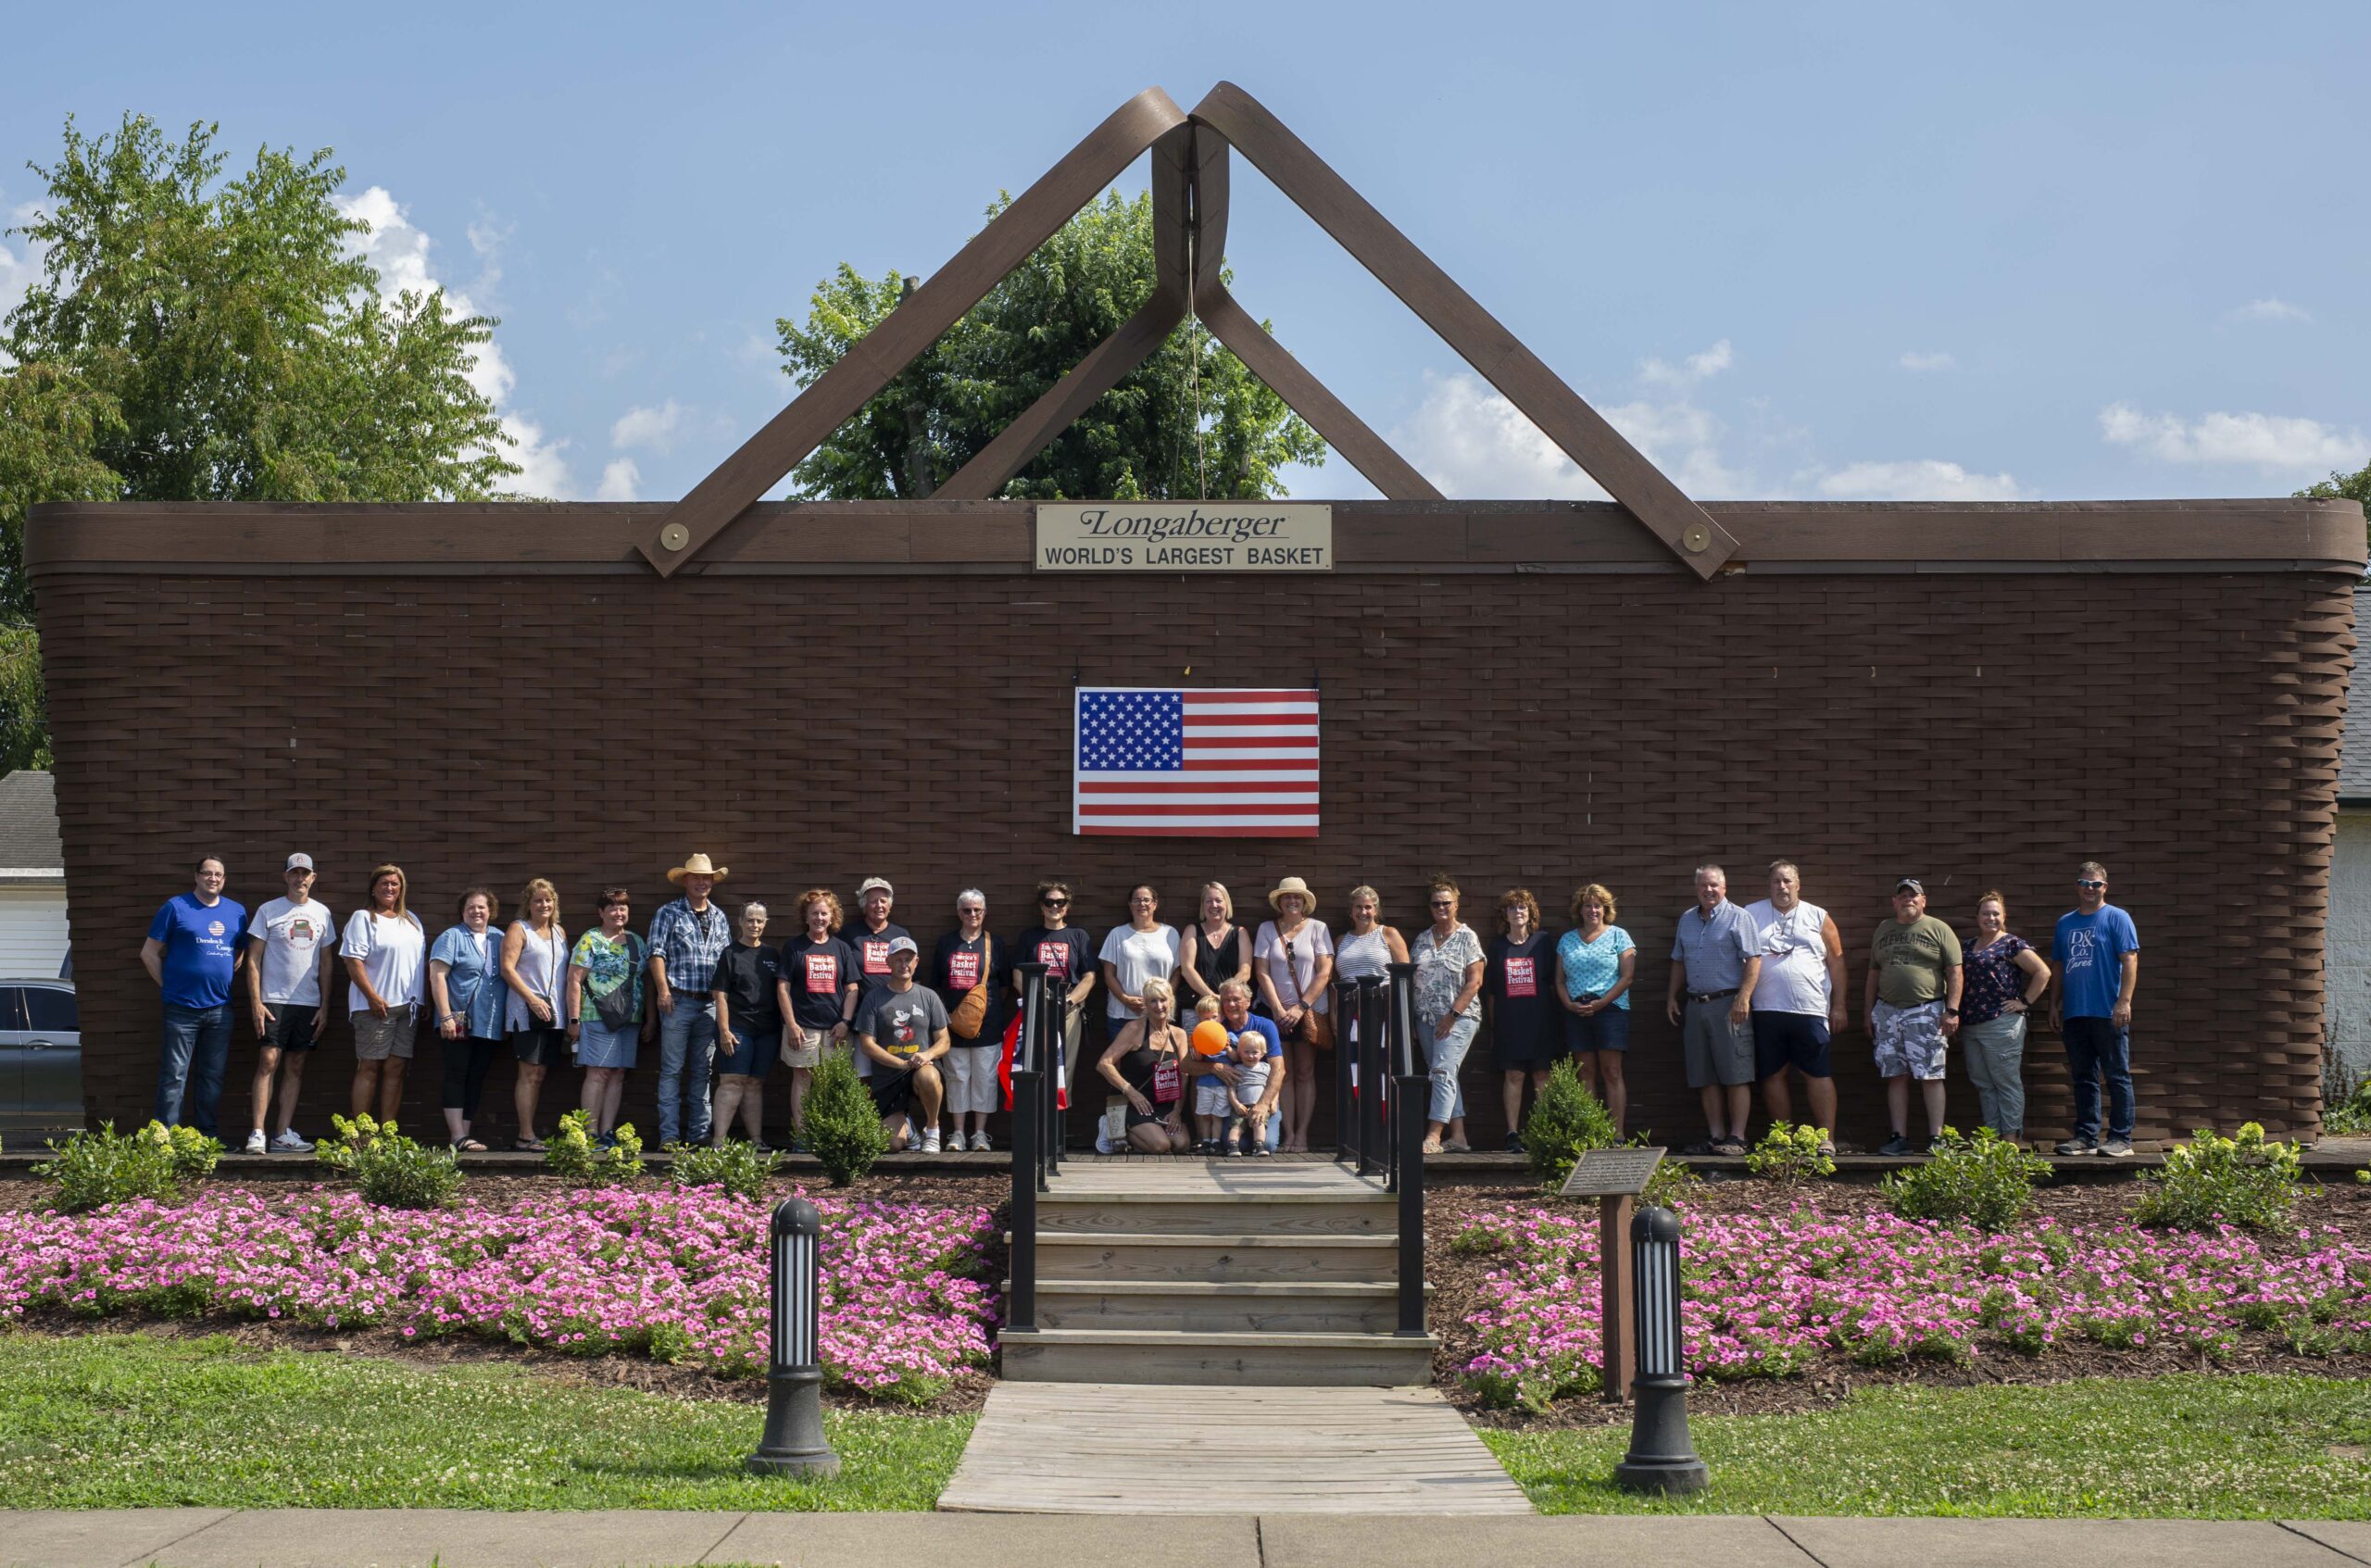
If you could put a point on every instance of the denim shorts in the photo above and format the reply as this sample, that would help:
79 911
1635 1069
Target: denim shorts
1608 1030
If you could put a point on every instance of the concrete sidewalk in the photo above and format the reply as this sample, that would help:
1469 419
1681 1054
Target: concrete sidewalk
203 1538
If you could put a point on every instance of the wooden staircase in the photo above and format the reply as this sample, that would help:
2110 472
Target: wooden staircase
1233 1272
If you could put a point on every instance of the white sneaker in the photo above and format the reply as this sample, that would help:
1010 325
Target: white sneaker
1102 1141
929 1141
980 1142
255 1141
289 1143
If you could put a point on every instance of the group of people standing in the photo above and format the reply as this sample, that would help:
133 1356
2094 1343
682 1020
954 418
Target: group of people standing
1757 993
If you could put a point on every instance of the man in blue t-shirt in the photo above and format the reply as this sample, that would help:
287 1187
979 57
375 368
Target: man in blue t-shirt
2095 957
195 948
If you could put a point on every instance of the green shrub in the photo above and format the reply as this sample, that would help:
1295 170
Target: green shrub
91 1170
843 1131
1564 1121
1789 1154
733 1165
394 1172
2213 1181
2350 1118
1674 1183
571 1152
1981 1180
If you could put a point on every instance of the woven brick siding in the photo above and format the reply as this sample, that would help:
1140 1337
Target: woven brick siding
1542 729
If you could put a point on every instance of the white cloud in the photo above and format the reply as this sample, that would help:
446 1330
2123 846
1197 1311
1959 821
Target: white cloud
655 428
1472 443
1913 360
2273 442
19 258
620 481
2270 310
1694 368
400 252
1916 479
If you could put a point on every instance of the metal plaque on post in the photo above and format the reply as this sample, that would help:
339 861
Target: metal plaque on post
1612 1172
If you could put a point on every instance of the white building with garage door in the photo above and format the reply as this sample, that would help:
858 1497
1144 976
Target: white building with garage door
33 878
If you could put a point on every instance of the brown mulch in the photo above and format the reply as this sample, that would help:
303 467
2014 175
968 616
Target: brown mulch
1457 1281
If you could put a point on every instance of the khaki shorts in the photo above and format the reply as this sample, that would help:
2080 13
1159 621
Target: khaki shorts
808 1051
376 1039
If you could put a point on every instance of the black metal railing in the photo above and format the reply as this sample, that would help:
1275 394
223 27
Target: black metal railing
1033 1130
1409 1104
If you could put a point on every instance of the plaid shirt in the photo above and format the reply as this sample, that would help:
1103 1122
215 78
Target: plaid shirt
690 945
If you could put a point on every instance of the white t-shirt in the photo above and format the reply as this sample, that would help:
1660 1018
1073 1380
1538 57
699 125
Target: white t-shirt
1794 959
392 952
292 935
1138 956
1292 981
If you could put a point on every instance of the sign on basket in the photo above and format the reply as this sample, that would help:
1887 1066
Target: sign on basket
1185 536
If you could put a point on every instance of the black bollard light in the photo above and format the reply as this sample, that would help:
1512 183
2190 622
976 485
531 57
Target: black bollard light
793 1443
1662 1456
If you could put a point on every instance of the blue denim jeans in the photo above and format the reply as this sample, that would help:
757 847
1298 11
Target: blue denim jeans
189 1071
2096 1050
686 1050
1447 1057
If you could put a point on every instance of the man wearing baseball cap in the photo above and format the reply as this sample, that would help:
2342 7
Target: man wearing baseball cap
901 1032
292 965
1912 1000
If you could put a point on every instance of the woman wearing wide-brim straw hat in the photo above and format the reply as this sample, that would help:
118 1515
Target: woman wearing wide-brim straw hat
1293 958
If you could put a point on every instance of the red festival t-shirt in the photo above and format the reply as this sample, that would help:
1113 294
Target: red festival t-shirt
1523 979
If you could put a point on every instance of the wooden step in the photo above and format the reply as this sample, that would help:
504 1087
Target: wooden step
1200 1307
1106 1355
1217 1259
1315 1213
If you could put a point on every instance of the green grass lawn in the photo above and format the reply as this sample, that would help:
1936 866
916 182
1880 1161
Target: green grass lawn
128 1421
2184 1446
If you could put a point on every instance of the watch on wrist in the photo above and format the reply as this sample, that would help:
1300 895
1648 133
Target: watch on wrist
1950 1013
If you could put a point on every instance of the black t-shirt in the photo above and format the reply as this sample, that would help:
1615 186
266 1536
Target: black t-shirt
958 965
871 949
817 972
1215 963
1522 985
747 977
1068 952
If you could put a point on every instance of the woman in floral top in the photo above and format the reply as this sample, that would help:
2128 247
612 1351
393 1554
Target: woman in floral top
1450 963
2005 978
606 1005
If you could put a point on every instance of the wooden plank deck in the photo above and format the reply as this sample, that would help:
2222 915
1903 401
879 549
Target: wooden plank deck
1100 1448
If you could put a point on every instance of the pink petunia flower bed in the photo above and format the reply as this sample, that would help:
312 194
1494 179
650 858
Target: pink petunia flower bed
676 1275
1768 1292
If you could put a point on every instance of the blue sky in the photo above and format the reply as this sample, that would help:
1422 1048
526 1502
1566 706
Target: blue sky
1836 251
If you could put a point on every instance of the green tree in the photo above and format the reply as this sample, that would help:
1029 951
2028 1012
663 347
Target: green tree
193 338
1189 421
2355 487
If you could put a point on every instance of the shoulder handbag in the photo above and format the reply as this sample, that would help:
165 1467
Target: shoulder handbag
618 1008
971 1015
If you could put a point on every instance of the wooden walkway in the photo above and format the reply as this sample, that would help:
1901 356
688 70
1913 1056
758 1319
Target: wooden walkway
1101 1448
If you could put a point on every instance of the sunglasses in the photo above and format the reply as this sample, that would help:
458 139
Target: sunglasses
1053 903
2087 881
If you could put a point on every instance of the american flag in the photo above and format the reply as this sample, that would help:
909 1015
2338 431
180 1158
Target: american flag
1215 763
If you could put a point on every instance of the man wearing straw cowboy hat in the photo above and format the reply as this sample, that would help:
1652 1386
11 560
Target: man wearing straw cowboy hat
687 938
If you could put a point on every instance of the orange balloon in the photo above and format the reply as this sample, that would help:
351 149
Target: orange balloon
1209 1037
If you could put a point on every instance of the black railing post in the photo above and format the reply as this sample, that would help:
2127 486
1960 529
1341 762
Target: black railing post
1050 1064
1346 996
1409 1103
1021 1299
1374 1073
1401 1038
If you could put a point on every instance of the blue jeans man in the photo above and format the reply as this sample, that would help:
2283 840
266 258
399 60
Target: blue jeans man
196 1052
2096 1049
686 1050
